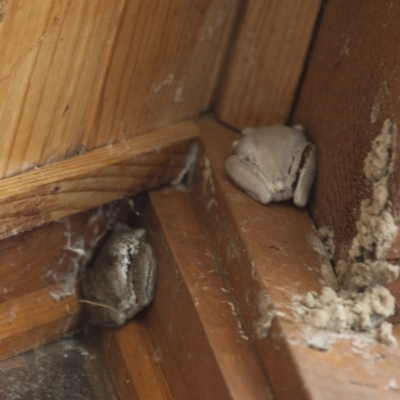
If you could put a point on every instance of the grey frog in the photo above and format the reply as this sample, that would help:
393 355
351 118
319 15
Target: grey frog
274 163
121 281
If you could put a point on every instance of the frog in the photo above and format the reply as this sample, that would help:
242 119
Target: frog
274 163
121 281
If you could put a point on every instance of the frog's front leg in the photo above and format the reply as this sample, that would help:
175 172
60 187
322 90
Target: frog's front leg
249 178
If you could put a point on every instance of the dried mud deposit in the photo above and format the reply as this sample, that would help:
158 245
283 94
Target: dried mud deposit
362 303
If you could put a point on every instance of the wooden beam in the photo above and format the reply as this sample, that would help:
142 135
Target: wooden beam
52 254
53 56
80 74
351 86
268 259
35 319
134 363
39 277
89 180
205 350
266 61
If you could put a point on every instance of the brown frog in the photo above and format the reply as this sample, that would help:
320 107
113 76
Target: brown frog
121 281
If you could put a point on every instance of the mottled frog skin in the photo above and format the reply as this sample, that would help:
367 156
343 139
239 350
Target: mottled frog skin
122 280
274 163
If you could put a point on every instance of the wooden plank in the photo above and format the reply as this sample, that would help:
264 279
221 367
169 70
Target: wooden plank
86 181
266 62
52 57
350 87
268 259
39 275
35 319
164 67
194 311
52 254
133 363
168 361
82 74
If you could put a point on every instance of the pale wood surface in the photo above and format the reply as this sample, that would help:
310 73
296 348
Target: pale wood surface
164 67
76 75
203 341
52 53
134 363
86 181
265 252
351 86
267 59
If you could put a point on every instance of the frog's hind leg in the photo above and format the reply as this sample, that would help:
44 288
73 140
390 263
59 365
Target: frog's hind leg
249 178
144 275
306 177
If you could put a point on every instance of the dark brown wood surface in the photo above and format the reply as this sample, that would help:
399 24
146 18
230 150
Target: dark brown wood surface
351 86
268 259
194 321
39 278
35 319
134 363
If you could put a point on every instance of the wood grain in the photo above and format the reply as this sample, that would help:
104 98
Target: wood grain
207 349
86 181
164 67
39 276
35 319
52 55
133 363
350 87
54 253
77 75
266 61
268 259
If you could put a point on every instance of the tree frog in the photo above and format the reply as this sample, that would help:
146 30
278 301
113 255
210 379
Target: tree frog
274 163
121 281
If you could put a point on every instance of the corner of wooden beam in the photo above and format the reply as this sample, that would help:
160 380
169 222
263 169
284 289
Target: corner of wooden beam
98 177
268 259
